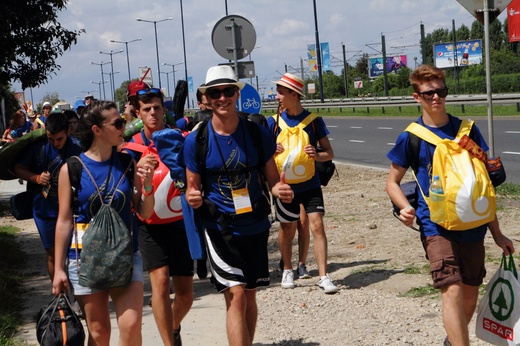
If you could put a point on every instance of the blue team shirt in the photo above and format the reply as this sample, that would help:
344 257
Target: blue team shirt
232 152
41 157
316 132
21 130
401 156
89 198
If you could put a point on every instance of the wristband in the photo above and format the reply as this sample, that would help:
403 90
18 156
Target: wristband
147 193
148 188
409 207
38 179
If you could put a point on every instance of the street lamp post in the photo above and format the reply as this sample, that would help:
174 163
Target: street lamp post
112 69
87 92
110 79
127 55
99 86
167 82
102 76
173 71
156 42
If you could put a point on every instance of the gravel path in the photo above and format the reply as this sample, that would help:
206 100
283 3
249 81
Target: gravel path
369 251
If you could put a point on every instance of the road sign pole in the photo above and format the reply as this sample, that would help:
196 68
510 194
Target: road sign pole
488 81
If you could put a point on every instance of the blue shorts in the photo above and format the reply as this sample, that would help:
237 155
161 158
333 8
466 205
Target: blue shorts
46 227
137 275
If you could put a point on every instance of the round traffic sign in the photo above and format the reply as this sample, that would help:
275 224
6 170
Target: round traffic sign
225 44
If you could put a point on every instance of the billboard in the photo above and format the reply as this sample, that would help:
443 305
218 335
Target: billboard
468 53
513 21
325 57
393 64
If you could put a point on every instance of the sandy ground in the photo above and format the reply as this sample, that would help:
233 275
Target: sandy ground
369 251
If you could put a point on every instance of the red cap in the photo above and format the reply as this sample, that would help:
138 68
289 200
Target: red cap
135 86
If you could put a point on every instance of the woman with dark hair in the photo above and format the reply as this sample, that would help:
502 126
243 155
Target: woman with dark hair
18 126
101 131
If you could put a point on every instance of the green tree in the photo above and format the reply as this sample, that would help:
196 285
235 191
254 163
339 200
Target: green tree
496 35
477 30
462 33
436 36
31 39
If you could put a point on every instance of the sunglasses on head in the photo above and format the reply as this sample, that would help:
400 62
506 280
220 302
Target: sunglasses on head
118 123
149 91
428 95
215 93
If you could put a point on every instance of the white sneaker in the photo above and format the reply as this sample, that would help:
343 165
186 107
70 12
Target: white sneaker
288 279
327 285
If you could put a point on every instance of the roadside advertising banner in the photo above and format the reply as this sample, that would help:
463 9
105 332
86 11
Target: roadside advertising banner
393 64
468 53
513 20
325 57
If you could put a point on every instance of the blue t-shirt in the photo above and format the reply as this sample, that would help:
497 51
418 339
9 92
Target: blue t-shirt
21 130
89 198
315 132
225 154
42 157
401 156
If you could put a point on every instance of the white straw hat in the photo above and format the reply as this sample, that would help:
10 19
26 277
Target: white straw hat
220 75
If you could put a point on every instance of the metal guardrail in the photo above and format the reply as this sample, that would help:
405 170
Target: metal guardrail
400 101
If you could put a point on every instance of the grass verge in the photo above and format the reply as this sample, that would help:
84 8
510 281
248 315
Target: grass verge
12 260
416 292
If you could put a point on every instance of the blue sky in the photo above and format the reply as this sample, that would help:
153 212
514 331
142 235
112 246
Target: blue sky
283 30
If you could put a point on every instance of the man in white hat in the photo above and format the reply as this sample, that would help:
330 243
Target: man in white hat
40 121
307 193
235 219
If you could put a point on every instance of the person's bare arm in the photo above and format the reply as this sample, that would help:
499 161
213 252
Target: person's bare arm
393 189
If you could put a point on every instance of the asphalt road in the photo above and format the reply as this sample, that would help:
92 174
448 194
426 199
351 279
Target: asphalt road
366 140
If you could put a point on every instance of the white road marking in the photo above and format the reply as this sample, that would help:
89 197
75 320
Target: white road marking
511 152
356 141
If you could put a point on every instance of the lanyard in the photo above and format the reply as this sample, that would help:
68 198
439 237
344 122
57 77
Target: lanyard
220 150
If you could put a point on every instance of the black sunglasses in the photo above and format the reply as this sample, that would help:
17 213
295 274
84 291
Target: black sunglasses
149 91
215 93
118 123
428 95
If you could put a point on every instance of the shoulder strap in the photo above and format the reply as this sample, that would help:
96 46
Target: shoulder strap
74 167
282 125
126 161
465 128
423 133
202 147
134 146
254 133
308 119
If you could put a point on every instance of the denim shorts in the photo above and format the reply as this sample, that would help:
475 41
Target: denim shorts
137 275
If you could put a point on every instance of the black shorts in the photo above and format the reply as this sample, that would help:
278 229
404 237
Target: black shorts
166 245
451 261
312 201
238 260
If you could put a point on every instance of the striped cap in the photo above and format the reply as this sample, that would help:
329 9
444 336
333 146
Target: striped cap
292 82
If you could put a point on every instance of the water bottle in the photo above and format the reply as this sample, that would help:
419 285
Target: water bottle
436 204
132 128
